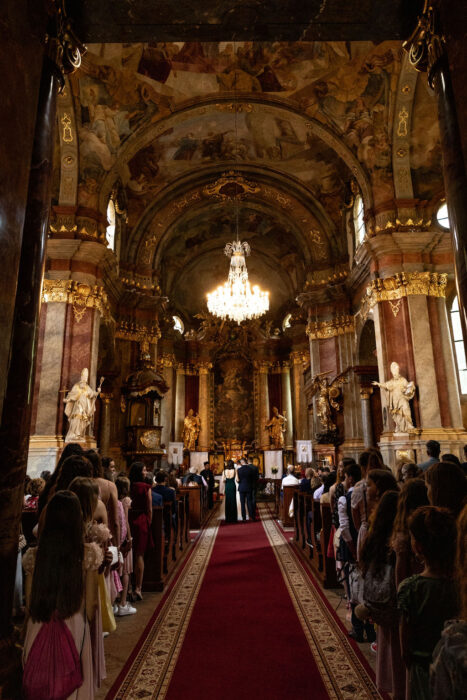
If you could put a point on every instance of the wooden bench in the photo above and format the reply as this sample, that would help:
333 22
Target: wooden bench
197 505
287 497
324 567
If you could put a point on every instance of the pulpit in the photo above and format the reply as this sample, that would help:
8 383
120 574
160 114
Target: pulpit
142 394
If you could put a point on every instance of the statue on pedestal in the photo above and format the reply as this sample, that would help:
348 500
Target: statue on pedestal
276 428
327 392
80 406
400 392
191 429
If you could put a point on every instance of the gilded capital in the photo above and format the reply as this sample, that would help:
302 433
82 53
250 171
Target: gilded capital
204 367
339 325
81 296
138 332
404 284
366 392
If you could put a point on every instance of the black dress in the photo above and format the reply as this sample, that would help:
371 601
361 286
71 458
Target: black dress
230 500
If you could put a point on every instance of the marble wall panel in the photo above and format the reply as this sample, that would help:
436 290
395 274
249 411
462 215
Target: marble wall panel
50 371
424 362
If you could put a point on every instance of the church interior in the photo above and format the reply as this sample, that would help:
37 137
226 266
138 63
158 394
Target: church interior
234 238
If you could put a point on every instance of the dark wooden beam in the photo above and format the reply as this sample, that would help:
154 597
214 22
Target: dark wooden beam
242 20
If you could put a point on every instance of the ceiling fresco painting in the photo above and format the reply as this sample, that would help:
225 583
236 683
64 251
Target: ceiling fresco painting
306 124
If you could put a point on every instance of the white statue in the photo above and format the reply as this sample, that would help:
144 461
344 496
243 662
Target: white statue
400 392
80 405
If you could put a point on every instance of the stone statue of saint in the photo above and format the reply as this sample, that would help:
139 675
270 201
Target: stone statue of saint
80 405
276 428
191 428
400 392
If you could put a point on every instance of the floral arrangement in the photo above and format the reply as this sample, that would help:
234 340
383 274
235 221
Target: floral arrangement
274 470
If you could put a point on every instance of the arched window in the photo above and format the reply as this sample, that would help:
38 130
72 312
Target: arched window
178 324
459 348
286 322
111 224
359 220
442 216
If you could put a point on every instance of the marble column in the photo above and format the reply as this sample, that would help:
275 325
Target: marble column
451 388
300 418
263 372
287 404
17 404
179 403
104 441
204 406
367 423
167 403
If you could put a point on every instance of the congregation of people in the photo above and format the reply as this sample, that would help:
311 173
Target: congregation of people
400 549
399 543
81 567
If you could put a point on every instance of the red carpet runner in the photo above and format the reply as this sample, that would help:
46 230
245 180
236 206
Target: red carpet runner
244 619
244 639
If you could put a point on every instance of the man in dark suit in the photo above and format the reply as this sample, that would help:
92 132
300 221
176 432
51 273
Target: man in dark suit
255 484
246 485
208 476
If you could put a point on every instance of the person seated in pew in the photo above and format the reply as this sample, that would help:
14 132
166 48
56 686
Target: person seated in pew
166 493
289 479
194 478
157 499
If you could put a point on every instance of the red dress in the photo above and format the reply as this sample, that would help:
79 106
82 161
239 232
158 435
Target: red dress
138 516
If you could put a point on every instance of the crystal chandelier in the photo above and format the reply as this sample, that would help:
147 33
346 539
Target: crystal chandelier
235 299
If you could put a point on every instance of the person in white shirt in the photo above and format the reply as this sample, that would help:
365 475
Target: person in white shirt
290 479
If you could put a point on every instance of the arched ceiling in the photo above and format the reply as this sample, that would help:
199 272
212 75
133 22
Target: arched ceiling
298 121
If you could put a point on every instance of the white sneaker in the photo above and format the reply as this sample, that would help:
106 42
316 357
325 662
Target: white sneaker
126 610
115 609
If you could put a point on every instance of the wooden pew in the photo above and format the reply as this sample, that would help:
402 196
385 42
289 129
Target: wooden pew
329 563
154 559
197 505
288 494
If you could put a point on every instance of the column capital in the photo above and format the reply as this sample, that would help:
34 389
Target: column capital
339 325
285 368
204 367
166 360
81 296
180 368
299 357
403 284
106 398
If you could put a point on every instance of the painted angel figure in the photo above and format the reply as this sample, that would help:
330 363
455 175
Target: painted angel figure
327 392
400 392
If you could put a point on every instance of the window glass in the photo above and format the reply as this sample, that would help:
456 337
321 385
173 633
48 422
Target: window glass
178 324
110 230
443 216
459 348
359 220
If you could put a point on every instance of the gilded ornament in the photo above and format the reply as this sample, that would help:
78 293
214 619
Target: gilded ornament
330 329
231 186
328 393
402 127
395 306
81 296
138 332
403 284
151 439
67 133
63 46
426 45
276 427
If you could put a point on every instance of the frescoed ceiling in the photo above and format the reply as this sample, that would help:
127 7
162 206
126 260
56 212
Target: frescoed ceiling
315 119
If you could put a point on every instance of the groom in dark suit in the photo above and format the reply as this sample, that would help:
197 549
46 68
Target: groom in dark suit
246 485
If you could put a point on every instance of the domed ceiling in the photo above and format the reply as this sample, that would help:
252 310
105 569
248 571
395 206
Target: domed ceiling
299 121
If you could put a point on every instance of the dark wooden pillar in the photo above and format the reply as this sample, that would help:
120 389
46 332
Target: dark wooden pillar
428 52
17 403
60 56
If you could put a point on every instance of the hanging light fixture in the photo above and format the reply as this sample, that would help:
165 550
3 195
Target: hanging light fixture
235 299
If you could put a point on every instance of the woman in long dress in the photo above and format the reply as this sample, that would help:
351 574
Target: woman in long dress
230 492
57 567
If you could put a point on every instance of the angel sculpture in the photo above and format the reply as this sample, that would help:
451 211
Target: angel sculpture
328 392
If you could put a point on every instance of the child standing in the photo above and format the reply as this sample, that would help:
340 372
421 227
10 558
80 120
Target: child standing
126 548
428 599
